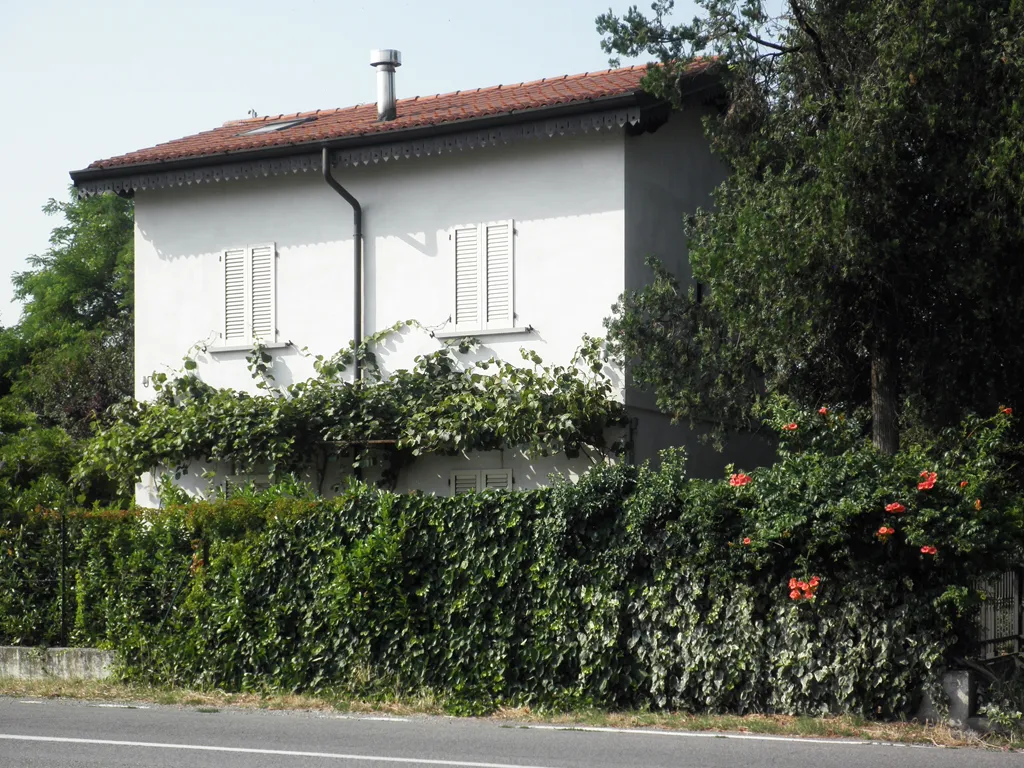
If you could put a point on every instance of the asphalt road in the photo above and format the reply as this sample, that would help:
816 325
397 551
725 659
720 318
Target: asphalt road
64 734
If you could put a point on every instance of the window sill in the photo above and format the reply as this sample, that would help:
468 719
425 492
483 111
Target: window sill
246 347
483 332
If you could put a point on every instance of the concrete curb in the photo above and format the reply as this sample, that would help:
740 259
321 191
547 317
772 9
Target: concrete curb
55 663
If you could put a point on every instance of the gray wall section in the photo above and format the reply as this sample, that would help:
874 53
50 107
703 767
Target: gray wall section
55 663
668 174
653 432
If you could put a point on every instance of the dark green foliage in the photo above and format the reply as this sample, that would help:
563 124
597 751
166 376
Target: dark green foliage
70 356
871 224
36 462
1001 694
633 587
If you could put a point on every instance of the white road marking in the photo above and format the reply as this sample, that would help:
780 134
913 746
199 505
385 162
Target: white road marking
29 702
372 717
720 735
277 752
120 706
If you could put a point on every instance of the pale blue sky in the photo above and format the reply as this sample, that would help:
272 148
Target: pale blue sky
80 81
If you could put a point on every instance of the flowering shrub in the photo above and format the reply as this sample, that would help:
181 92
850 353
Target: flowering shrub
625 589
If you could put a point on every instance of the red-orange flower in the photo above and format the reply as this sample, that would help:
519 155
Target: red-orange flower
963 483
895 508
803 589
883 532
823 411
746 540
929 550
790 427
739 479
929 481
1007 411
977 504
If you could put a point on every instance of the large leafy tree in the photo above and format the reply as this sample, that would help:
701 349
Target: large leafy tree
70 356
867 246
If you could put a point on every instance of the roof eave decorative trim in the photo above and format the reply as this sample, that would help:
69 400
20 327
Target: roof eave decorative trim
304 161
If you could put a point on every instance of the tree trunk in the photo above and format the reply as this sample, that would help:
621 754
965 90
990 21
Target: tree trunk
885 433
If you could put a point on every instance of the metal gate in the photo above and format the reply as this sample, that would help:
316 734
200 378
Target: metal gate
1000 617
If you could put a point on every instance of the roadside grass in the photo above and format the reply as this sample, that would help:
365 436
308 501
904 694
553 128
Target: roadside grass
844 726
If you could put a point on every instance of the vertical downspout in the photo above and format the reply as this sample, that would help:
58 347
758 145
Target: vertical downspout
357 259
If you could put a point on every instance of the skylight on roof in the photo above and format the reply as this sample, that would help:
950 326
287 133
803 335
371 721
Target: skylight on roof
278 126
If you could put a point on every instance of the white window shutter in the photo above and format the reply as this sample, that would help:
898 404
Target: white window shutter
500 279
468 304
497 479
263 293
235 314
465 481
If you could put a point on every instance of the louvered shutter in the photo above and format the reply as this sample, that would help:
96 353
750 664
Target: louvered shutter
498 241
262 291
468 303
234 296
497 479
465 481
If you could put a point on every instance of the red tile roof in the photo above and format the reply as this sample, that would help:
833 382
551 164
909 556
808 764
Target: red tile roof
417 112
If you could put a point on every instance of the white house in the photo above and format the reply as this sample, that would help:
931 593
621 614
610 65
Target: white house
516 213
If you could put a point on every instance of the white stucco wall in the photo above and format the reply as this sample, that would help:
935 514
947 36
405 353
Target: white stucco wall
429 474
565 195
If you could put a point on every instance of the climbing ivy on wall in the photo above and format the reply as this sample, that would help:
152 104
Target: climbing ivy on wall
445 403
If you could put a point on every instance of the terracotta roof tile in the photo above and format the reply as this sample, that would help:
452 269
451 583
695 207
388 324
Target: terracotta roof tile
415 112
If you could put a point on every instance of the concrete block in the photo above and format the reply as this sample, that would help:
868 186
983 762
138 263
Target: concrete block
55 663
959 688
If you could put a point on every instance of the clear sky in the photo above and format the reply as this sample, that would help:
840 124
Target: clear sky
80 81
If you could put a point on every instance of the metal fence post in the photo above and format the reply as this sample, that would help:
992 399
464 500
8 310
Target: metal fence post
63 582
1020 608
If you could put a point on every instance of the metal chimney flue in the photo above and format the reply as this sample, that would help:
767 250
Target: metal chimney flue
385 60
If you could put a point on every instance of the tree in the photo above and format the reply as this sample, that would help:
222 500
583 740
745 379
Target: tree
867 246
70 356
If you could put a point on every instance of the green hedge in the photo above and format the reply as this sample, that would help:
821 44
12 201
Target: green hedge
634 587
